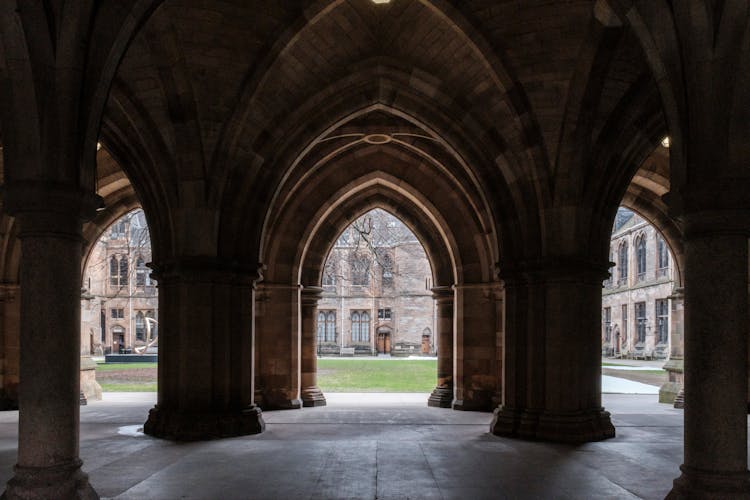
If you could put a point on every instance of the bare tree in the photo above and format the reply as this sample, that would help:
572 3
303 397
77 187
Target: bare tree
364 251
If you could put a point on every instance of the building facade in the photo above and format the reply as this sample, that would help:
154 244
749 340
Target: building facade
119 303
376 291
636 319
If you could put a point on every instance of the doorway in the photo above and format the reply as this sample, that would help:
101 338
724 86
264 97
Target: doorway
384 341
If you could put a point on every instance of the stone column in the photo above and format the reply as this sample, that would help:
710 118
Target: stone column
552 364
675 364
205 351
474 348
442 395
278 327
716 371
50 219
311 393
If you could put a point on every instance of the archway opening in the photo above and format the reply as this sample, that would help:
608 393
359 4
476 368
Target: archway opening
376 315
642 301
119 309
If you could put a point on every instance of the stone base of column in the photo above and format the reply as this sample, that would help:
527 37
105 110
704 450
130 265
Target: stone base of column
479 401
668 392
441 397
313 396
696 483
573 427
62 481
179 426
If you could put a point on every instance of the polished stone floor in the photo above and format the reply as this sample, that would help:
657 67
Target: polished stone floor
372 446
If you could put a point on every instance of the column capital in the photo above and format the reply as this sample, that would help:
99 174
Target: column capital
204 269
717 222
311 295
442 293
49 208
555 269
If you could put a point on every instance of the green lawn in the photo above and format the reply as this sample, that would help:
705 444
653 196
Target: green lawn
127 377
128 386
377 375
111 367
334 375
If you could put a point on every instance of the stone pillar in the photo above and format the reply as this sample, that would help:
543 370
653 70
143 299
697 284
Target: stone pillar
311 393
552 363
675 364
474 348
442 395
50 219
716 372
278 328
205 352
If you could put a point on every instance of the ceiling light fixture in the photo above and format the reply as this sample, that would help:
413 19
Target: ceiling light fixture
665 141
381 1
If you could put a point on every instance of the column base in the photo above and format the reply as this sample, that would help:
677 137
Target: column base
668 392
441 397
313 396
482 404
179 426
62 481
696 483
570 427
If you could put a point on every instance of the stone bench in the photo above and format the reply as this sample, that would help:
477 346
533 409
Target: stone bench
347 351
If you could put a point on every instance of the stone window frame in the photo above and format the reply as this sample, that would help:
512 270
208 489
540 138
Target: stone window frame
117 313
326 326
662 256
385 313
360 269
622 263
607 320
662 320
361 321
640 321
140 326
142 278
641 260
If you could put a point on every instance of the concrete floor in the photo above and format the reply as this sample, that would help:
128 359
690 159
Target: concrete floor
371 446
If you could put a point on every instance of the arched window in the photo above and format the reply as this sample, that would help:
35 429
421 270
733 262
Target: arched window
386 264
360 270
663 257
329 274
360 326
622 263
140 327
123 270
113 271
330 334
364 328
141 272
640 249
355 327
321 327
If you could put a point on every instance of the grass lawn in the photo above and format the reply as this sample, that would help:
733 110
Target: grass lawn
377 375
334 375
126 377
111 367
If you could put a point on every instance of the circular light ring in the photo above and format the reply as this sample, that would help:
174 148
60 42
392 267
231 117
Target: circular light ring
377 139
